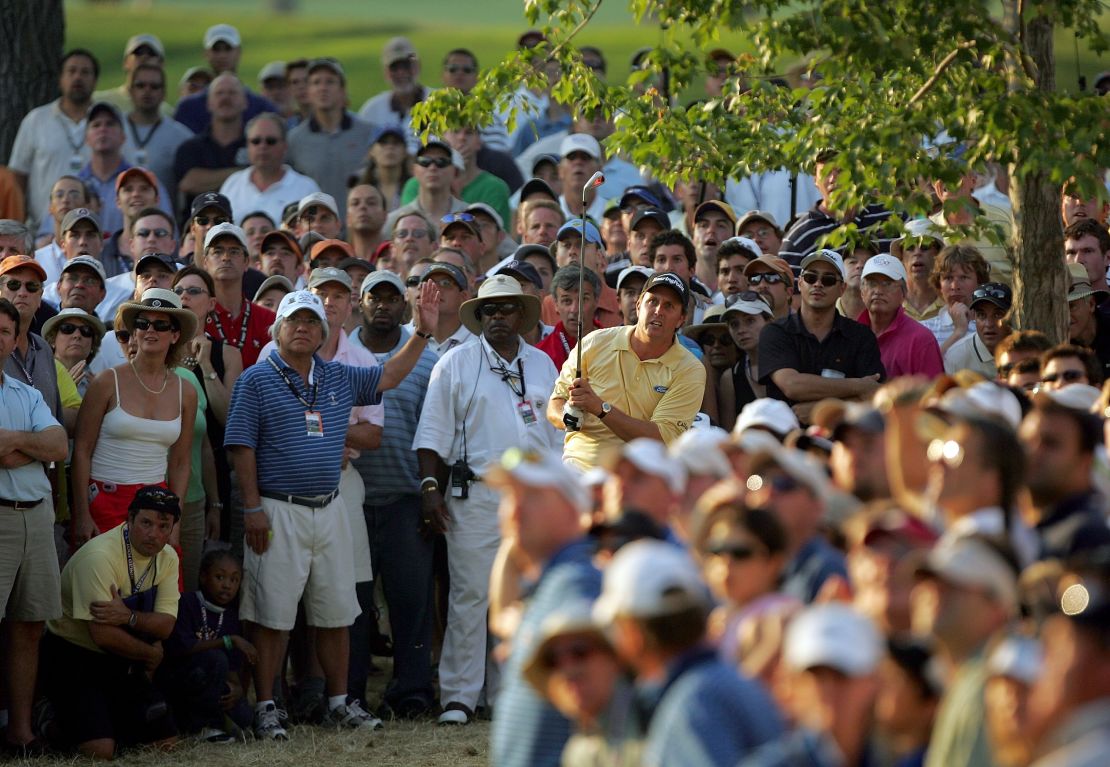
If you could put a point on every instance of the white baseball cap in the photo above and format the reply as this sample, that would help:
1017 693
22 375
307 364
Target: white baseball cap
302 299
886 265
829 257
769 413
318 198
226 230
699 452
971 563
649 579
833 635
222 33
985 398
580 142
628 271
541 469
650 456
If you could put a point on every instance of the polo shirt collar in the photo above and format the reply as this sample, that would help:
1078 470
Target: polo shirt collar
894 326
345 123
276 356
930 311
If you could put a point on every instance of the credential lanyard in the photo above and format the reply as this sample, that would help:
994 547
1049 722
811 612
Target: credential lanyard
310 405
136 585
242 329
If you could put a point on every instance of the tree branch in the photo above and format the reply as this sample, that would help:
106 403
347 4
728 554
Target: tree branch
943 65
578 28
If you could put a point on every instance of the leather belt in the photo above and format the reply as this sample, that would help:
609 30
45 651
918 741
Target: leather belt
19 505
311 501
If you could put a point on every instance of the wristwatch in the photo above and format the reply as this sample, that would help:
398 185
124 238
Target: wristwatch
133 619
211 376
425 336
605 408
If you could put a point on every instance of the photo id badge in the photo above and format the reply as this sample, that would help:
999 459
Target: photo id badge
76 162
527 412
314 423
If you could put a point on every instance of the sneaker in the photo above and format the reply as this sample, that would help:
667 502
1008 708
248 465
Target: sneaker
267 725
456 713
213 735
353 717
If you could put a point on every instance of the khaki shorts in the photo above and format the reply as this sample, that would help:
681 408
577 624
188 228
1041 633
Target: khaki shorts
30 581
310 553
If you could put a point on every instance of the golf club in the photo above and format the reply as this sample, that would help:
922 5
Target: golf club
572 416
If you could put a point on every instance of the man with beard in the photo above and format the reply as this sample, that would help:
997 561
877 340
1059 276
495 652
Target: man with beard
413 239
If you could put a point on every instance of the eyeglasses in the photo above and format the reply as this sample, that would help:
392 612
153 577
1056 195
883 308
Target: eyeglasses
575 651
191 291
508 309
455 218
68 328
716 339
456 69
880 284
415 234
812 278
304 321
1067 376
267 140
31 286
211 220
762 231
771 278
87 281
946 451
156 232
427 162
160 326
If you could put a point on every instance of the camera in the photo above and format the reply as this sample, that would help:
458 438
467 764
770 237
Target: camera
461 477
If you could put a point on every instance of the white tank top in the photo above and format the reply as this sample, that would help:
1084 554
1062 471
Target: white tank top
132 450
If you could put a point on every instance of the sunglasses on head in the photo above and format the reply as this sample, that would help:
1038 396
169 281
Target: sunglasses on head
267 140
1067 376
507 309
454 218
989 291
213 220
68 328
32 286
160 326
771 278
439 162
827 280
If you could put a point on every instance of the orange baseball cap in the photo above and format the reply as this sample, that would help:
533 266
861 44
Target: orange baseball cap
147 176
11 263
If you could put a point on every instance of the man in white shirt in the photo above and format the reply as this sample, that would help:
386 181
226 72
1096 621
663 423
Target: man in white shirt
394 106
453 291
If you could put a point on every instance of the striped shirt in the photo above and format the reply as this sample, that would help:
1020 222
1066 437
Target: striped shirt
807 233
266 416
391 471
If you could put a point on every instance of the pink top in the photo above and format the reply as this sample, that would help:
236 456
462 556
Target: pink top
907 347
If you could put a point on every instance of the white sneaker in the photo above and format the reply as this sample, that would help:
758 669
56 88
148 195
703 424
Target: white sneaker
214 735
456 714
267 724
352 716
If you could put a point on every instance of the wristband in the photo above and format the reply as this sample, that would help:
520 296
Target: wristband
425 336
227 642
214 505
252 510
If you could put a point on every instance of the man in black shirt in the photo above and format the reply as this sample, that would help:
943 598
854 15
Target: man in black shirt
817 353
1087 326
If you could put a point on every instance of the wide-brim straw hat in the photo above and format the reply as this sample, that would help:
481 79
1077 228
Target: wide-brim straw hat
500 286
164 302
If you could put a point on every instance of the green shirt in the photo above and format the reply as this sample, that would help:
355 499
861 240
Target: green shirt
960 732
485 187
195 491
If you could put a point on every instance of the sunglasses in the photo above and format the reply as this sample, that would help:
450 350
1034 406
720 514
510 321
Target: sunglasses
770 278
412 282
988 292
123 336
69 328
457 69
267 140
1067 376
744 295
213 220
812 278
160 326
157 232
716 339
193 291
507 309
576 651
32 286
427 162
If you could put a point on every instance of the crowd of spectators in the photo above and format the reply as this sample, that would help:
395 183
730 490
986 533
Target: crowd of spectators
644 474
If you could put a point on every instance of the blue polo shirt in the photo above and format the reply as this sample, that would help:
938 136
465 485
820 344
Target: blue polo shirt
192 111
267 416
22 408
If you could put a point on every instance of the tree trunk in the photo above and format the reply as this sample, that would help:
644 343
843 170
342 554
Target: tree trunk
33 32
1038 244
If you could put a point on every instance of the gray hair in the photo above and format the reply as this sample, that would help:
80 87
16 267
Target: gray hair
567 279
275 330
277 120
12 228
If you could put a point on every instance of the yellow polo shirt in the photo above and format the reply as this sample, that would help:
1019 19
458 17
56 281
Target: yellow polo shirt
667 391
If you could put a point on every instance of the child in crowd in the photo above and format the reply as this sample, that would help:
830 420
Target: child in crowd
203 672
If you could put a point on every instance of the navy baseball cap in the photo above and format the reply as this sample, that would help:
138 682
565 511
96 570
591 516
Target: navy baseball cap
669 280
522 269
211 200
640 192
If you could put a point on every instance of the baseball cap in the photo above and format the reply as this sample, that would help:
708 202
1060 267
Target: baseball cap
389 129
319 247
11 263
1079 285
529 38
886 265
668 280
192 72
757 215
302 299
767 413
580 142
540 469
226 230
994 293
543 157
747 243
571 619
644 271
271 282
524 251
1017 657
441 267
135 170
222 33
156 498
138 41
275 70
898 525
717 205
329 64
574 226
969 562
801 467
653 214
916 229
104 106
318 198
649 579
156 258
699 452
379 277
286 239
833 635
484 208
522 270
1076 396
747 302
836 417
211 200
397 49
829 257
80 214
649 456
89 263
459 219
456 158
639 192
328 274
537 186
984 399
774 263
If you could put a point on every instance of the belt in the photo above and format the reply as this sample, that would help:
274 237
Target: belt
311 501
19 505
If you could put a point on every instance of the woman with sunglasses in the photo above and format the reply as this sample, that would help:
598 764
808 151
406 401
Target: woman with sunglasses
135 427
75 337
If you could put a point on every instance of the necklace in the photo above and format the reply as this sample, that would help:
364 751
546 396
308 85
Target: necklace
165 380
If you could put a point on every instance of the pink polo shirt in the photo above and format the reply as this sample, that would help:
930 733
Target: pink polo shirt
907 347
